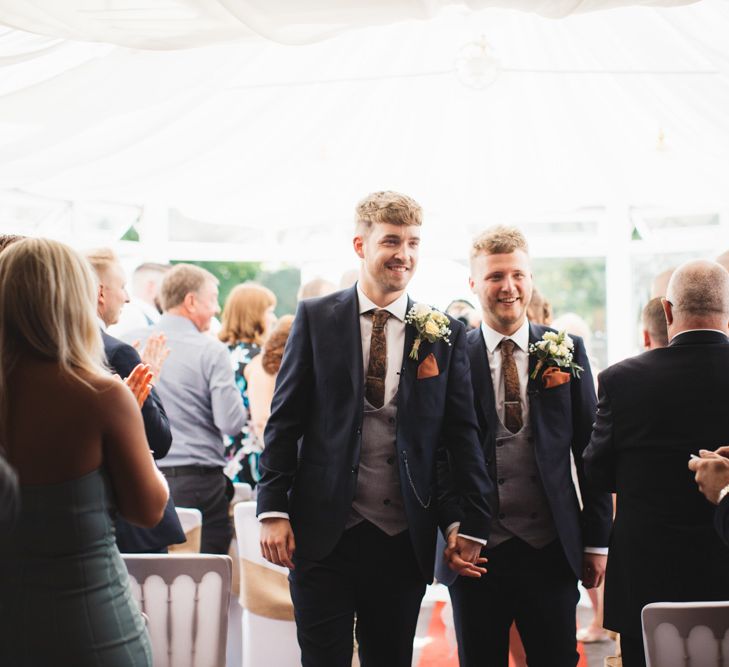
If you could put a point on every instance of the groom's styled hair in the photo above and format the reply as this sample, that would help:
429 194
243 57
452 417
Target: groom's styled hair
498 240
387 207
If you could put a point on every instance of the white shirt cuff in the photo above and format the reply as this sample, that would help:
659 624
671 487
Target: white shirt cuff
456 525
600 551
272 515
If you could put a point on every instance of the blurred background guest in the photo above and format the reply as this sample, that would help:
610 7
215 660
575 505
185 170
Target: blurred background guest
465 313
201 400
143 308
655 333
123 359
261 375
539 310
86 457
660 283
247 319
314 288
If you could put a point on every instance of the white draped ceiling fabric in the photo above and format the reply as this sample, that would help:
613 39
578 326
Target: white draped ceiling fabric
254 126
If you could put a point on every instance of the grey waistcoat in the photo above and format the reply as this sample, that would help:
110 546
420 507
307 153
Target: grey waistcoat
378 496
523 505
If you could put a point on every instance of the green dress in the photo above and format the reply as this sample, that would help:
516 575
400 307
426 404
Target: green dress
65 597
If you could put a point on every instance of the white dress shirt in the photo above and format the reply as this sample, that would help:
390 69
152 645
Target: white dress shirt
394 334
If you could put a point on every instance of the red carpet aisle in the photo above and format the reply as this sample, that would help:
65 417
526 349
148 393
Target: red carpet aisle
437 652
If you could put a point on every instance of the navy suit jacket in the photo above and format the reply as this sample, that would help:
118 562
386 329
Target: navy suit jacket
655 410
313 436
122 359
561 420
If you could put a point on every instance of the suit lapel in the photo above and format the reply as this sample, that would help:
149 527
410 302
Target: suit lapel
483 385
349 338
409 369
533 386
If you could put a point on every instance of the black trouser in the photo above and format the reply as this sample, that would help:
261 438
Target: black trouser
368 574
632 651
534 587
206 489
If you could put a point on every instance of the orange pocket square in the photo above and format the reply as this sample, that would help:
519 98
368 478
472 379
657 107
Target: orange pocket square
428 367
553 377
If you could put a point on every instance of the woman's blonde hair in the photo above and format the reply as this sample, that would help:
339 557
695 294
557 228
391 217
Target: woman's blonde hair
244 314
47 310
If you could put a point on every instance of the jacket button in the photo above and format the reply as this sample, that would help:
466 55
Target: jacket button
391 420
499 444
390 460
386 501
502 515
502 480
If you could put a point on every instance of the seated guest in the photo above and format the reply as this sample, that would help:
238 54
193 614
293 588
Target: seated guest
464 312
712 476
247 319
75 435
122 360
201 400
653 411
261 375
655 333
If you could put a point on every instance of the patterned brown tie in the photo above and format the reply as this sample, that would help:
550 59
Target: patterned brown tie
377 368
512 394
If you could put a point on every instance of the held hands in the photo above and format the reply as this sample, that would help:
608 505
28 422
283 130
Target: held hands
139 381
277 542
464 556
593 570
711 472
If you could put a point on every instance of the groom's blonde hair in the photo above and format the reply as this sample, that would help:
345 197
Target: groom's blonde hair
497 240
387 207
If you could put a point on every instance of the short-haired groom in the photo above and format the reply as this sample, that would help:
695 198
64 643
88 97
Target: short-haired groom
533 412
367 404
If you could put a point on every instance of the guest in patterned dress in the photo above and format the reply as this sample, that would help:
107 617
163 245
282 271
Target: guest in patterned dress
248 317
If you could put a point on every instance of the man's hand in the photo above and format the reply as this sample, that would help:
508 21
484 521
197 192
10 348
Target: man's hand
277 542
464 556
593 570
154 353
711 472
139 382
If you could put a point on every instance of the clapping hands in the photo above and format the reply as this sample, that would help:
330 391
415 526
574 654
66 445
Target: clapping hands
711 472
154 353
140 382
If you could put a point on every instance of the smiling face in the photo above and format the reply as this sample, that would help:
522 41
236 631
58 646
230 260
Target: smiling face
112 293
389 256
503 284
204 305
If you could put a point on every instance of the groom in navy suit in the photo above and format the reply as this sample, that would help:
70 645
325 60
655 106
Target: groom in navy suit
543 539
358 428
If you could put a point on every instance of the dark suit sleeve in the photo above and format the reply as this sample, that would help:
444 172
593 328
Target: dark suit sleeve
9 495
597 511
123 359
465 478
721 519
289 409
599 457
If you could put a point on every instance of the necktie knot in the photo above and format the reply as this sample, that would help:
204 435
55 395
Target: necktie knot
507 346
379 317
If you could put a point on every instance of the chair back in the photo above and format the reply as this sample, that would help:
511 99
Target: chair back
681 633
191 521
268 628
185 598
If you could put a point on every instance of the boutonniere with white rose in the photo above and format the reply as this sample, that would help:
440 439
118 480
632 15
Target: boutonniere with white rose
554 352
431 325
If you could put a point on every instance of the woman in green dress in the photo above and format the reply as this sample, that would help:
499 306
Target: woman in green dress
75 436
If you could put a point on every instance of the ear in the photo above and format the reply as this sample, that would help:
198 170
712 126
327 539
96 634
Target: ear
668 310
190 301
471 284
358 245
646 340
100 294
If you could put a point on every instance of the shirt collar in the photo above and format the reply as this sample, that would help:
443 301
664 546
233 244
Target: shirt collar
693 330
177 323
397 308
493 338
